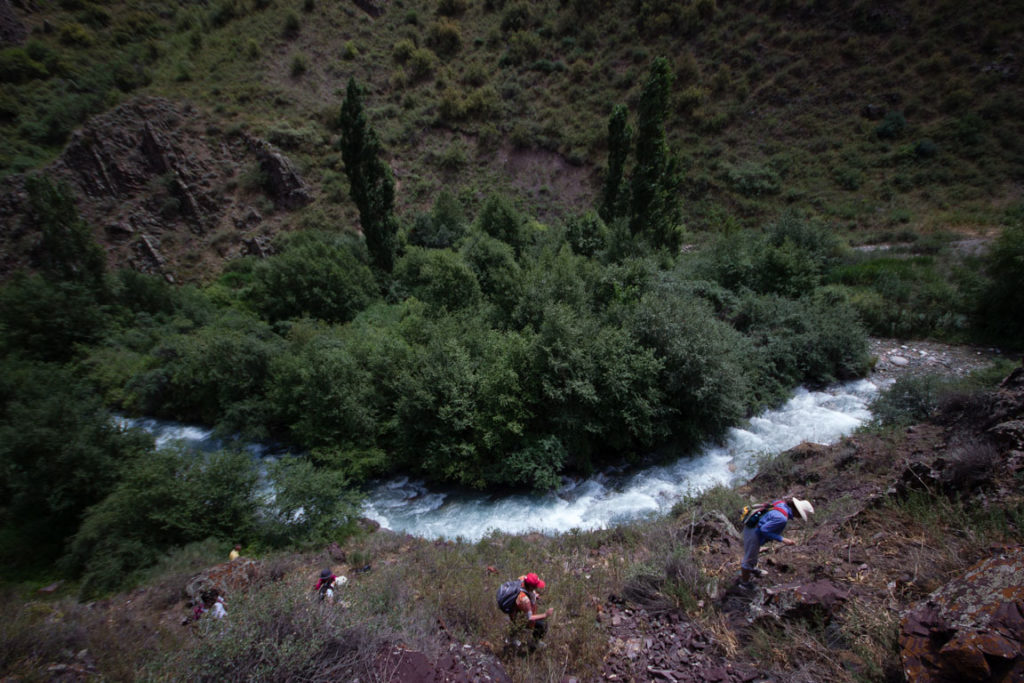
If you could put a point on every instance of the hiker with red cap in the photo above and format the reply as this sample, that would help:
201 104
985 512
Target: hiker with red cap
764 523
521 596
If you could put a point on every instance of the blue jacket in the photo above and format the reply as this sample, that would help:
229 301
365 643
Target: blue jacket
773 523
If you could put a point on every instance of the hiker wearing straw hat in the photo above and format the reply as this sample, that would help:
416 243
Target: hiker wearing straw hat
764 523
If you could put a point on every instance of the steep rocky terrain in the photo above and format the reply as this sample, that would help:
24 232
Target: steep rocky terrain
166 191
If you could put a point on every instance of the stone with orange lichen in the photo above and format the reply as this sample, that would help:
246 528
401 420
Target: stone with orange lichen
972 628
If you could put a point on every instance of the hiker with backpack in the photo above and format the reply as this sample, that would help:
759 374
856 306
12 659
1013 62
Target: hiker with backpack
327 584
522 596
763 523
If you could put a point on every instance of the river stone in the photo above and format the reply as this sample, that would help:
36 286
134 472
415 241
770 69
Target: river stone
899 361
970 629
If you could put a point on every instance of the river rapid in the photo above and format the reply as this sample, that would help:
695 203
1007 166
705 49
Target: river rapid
601 501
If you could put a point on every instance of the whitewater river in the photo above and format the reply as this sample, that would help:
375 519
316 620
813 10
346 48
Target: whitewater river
603 500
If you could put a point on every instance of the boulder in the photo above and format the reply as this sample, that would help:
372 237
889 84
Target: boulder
970 629
284 185
820 598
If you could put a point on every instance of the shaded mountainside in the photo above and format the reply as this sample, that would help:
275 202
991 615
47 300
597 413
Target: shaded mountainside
879 118
911 567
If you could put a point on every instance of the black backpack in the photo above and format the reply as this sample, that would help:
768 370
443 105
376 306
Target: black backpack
752 515
508 593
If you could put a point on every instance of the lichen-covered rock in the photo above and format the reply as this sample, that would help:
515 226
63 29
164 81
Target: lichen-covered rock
970 629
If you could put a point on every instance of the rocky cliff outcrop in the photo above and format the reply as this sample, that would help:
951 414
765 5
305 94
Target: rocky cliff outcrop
167 192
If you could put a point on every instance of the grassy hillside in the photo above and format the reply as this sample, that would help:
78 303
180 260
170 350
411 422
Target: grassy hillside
878 117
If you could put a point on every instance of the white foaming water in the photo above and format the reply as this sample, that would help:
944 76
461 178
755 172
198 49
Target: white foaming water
605 500
601 501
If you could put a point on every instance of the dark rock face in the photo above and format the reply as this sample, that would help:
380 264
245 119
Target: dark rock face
161 186
284 185
12 31
374 8
972 628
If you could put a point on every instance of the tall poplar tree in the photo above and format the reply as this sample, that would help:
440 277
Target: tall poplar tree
620 137
655 207
370 179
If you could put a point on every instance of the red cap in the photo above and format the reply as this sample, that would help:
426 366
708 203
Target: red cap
533 581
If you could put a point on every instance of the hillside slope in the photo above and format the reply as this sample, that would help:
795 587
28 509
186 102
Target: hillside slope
912 530
875 116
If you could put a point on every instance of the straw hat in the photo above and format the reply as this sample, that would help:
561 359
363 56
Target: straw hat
803 508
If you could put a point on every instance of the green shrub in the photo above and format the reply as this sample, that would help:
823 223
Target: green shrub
911 399
586 234
1000 304
291 25
76 35
16 66
60 453
442 227
516 18
223 12
751 179
311 505
445 37
169 498
403 50
440 278
892 126
211 374
299 65
422 63
496 269
317 275
501 220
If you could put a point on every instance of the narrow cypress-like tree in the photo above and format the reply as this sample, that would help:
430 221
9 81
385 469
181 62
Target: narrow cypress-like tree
370 179
655 199
620 137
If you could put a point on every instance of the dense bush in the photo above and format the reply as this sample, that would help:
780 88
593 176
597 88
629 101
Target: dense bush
59 454
911 399
318 275
442 227
214 373
1001 304
169 498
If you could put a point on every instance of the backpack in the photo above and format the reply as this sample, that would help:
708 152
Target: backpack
324 587
508 593
751 515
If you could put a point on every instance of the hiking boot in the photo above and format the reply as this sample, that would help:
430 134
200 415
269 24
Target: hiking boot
745 585
760 572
